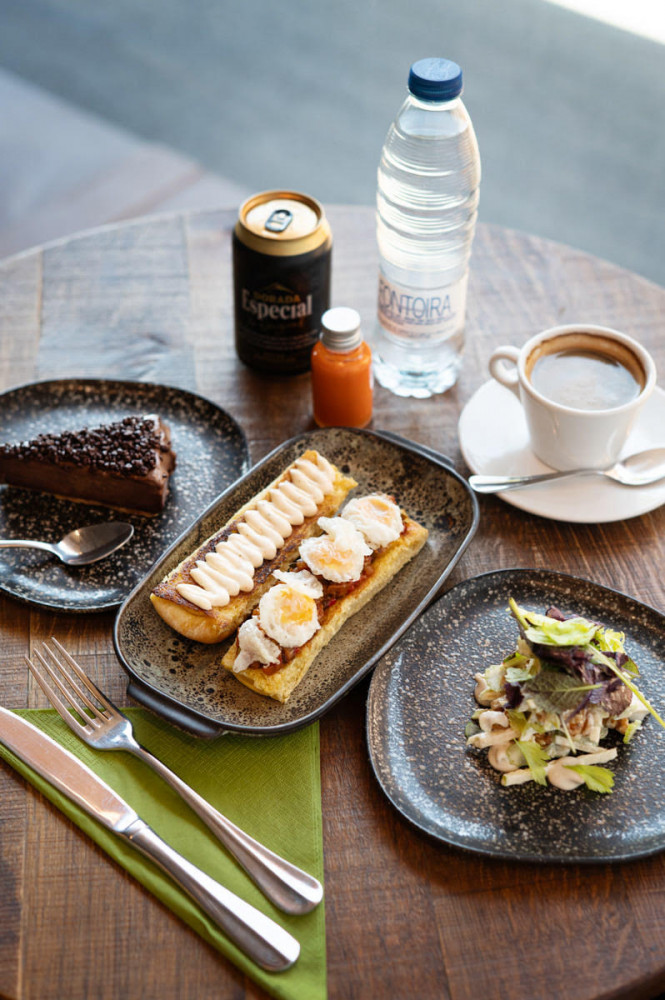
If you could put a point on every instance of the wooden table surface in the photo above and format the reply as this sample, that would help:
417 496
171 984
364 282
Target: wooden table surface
406 916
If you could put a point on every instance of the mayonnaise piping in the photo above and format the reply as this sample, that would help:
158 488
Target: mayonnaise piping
260 533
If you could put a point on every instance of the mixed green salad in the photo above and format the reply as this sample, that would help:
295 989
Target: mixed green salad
547 706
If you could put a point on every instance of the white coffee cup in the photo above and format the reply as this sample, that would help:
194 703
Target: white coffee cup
563 436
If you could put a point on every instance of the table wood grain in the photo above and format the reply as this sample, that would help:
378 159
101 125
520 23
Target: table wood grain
406 917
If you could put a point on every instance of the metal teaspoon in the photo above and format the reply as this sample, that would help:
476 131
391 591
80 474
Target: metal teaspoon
81 546
637 470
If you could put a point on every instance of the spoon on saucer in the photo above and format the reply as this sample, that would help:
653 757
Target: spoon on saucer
637 470
81 546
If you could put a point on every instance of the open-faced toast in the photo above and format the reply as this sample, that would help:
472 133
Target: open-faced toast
336 606
214 589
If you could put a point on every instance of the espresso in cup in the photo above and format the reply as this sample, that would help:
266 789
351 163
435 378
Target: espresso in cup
585 372
581 389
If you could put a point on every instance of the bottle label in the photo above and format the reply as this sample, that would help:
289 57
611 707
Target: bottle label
426 315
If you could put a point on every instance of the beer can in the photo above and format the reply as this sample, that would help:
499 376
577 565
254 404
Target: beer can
282 247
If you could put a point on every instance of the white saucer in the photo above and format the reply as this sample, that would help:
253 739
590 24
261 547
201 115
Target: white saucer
494 441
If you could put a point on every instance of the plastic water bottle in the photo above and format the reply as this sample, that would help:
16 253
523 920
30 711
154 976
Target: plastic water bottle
427 203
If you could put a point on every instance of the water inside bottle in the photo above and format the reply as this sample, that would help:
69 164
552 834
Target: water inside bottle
427 201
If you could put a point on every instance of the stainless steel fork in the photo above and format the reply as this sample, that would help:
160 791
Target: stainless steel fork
100 724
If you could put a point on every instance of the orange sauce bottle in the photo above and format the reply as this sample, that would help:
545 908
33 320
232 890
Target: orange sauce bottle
341 372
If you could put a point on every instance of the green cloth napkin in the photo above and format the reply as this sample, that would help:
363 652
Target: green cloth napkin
270 787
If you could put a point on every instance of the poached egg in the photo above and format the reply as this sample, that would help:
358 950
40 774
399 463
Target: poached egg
377 517
288 615
254 646
337 555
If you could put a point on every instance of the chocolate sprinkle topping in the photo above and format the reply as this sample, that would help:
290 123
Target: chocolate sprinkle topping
128 447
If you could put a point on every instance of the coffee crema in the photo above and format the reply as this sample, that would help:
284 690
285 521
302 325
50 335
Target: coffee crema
585 373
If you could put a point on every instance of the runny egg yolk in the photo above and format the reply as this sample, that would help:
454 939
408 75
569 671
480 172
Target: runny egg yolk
381 508
332 557
296 608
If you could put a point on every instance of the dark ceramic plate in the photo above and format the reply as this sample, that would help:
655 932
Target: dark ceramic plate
183 681
211 453
421 698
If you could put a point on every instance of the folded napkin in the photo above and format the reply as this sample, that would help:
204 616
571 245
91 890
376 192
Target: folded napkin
269 787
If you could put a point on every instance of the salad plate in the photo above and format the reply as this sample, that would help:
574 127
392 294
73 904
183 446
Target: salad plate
184 680
211 452
422 696
494 440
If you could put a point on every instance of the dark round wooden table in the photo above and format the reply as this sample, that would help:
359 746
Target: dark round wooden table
406 916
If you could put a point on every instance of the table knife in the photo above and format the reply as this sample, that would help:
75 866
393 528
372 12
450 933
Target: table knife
266 943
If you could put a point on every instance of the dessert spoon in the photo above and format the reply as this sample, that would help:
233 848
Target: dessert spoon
81 546
637 470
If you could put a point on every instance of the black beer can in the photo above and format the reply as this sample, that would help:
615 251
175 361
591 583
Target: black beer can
282 247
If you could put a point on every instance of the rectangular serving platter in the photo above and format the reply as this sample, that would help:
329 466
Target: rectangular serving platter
182 680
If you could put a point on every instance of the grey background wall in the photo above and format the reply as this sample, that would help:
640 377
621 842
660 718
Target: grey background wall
569 112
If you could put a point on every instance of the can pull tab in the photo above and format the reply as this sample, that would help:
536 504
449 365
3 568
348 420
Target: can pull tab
279 220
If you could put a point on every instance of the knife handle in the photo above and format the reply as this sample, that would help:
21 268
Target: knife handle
285 885
266 943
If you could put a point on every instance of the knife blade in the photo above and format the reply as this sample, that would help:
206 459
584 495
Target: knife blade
266 943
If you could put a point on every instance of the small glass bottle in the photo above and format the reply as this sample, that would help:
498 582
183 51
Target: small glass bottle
341 372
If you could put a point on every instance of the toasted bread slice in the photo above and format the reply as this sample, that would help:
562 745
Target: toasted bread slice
215 624
385 565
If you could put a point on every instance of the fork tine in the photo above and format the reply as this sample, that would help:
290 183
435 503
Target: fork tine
82 676
57 676
61 671
59 705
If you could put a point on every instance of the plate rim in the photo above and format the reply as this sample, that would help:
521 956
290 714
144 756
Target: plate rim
474 849
203 724
100 608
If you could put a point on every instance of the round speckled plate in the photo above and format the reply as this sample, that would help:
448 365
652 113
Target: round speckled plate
183 681
421 698
211 453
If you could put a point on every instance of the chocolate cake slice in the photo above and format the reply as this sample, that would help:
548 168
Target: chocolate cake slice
125 464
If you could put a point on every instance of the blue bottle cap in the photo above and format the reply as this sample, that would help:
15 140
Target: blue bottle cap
435 80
